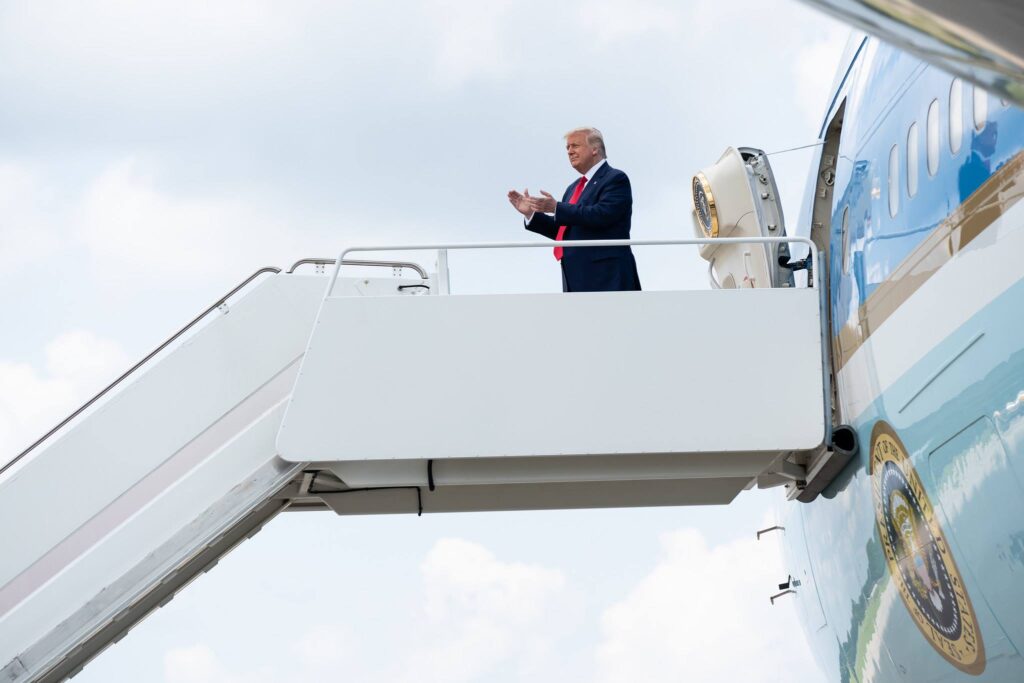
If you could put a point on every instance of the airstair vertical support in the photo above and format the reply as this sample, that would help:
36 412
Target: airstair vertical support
329 427
443 278
841 443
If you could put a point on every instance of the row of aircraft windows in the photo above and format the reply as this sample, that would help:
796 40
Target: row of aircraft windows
956 139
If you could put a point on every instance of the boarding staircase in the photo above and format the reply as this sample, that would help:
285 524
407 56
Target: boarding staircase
371 389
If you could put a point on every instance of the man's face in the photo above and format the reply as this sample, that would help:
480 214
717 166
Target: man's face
581 155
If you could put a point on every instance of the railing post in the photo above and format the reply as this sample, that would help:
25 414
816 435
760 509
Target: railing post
443 282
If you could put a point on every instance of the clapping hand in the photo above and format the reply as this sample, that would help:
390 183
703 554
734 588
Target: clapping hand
521 201
545 204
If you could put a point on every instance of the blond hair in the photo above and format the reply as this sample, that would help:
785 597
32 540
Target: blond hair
594 138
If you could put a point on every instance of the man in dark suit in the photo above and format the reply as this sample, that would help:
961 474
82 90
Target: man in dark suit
597 206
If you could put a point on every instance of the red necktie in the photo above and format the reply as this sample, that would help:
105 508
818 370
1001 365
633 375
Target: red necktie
572 200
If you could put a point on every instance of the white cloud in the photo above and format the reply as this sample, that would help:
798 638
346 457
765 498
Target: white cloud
814 69
197 664
152 45
703 615
612 20
126 230
83 359
480 618
319 654
29 232
200 664
77 364
482 613
132 228
324 648
471 41
733 40
136 234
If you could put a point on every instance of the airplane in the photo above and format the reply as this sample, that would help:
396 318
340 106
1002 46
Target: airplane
904 548
907 566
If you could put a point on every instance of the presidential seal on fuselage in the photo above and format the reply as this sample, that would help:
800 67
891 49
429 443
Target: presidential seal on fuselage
918 556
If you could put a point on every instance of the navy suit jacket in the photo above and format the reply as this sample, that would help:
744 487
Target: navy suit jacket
603 212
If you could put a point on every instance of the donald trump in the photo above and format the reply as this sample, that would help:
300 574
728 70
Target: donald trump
597 205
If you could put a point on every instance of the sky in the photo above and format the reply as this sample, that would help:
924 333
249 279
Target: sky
153 154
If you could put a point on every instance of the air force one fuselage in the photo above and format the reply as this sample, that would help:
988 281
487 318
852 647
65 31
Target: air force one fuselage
910 566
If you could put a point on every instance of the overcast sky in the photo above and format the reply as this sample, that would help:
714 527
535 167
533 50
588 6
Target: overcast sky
152 154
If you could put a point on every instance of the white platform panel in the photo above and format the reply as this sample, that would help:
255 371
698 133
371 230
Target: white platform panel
559 375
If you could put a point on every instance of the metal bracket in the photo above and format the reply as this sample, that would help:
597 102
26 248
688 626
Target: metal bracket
773 598
790 470
402 288
794 266
307 483
844 445
771 528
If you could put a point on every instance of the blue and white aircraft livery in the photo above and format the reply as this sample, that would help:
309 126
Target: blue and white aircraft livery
910 565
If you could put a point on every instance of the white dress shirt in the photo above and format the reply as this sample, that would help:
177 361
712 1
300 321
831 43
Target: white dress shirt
589 175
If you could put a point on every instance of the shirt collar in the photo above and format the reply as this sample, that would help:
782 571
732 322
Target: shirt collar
593 169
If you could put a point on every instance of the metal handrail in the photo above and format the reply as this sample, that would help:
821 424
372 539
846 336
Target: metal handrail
151 354
788 239
384 264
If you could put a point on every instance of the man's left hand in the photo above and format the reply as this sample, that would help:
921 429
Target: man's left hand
545 204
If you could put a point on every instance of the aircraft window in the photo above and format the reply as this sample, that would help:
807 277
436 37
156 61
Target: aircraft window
932 151
980 108
894 180
956 115
912 145
846 240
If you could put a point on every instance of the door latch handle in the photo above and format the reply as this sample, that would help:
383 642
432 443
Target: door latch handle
788 587
790 583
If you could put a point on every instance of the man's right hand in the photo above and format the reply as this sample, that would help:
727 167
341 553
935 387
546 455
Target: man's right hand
521 201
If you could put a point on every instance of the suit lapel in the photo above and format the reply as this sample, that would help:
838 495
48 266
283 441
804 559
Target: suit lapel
567 195
591 187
